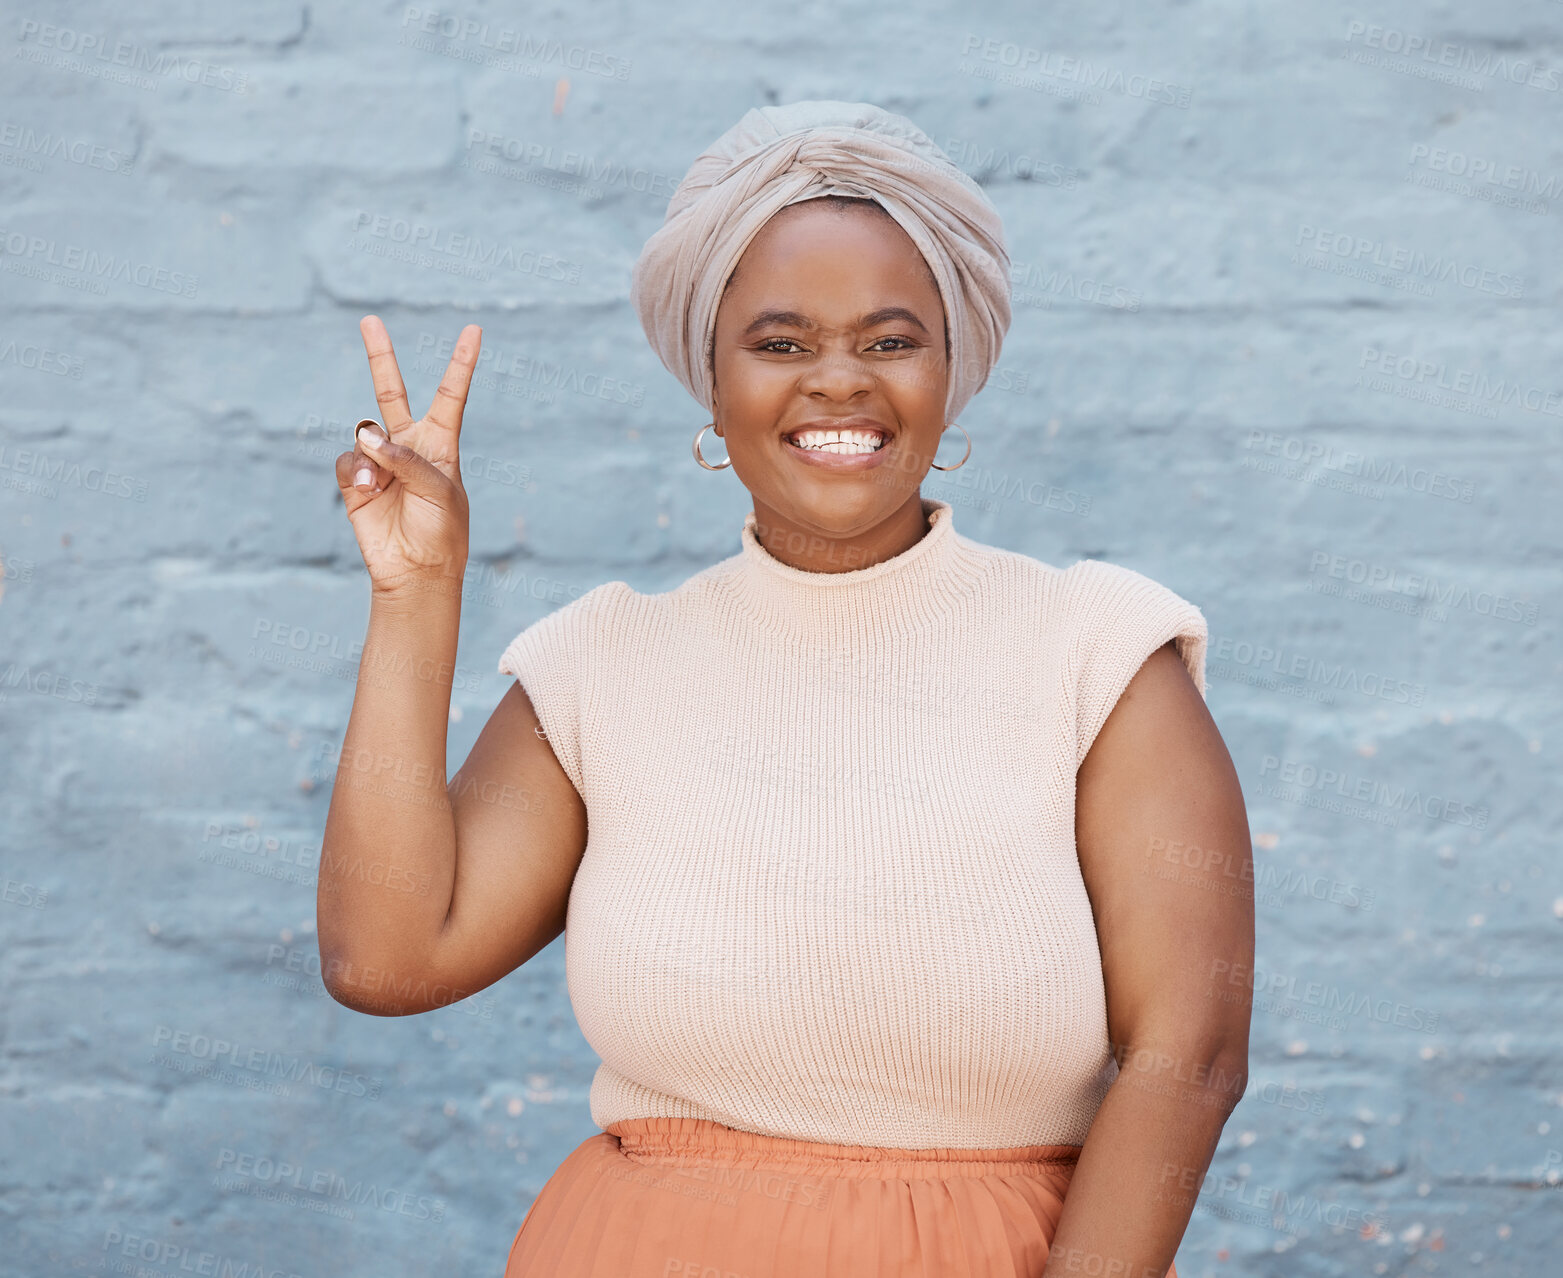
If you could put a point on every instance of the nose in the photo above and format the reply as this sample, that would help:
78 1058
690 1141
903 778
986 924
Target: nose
837 375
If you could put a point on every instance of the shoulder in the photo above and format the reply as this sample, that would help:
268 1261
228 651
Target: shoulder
1092 604
568 630
1102 600
1091 582
1116 619
615 613
1085 600
585 609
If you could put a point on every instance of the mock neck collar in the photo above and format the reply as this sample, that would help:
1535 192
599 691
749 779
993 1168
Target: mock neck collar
925 582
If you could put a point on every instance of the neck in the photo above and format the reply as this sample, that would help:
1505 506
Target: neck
811 548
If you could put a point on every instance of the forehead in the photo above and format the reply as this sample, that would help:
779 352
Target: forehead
816 227
815 244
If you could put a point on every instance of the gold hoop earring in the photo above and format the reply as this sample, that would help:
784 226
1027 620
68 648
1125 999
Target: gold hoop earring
962 461
701 459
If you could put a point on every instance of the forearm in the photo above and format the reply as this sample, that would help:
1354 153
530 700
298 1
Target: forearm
1141 1167
388 855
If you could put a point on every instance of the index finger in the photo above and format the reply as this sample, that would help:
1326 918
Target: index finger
389 392
450 397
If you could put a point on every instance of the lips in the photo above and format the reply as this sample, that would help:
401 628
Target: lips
832 458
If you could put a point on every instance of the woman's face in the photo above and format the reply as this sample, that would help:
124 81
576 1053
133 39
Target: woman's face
832 319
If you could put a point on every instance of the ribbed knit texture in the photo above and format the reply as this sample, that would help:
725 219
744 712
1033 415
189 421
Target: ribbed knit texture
830 889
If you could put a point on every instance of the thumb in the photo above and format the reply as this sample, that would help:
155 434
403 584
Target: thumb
415 471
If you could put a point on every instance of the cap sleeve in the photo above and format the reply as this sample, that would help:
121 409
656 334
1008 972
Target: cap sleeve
1120 618
551 658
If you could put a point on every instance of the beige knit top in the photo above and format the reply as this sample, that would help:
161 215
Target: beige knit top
830 888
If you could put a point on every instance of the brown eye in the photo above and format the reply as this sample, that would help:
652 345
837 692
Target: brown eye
767 344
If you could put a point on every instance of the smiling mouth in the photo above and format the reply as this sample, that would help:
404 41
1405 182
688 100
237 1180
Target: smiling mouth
844 442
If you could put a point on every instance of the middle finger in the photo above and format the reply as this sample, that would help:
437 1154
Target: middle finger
450 399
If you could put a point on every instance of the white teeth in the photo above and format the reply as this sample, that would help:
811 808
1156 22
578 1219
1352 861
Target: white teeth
839 441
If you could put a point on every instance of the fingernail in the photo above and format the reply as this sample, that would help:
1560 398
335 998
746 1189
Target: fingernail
363 477
369 438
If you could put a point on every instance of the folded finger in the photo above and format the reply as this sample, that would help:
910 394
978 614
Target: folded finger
359 471
368 475
350 467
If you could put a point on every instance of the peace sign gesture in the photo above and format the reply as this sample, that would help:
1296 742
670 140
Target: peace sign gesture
404 495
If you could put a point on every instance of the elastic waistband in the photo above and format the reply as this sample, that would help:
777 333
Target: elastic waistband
680 1141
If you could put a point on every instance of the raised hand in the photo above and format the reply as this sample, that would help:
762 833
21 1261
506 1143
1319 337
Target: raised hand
404 495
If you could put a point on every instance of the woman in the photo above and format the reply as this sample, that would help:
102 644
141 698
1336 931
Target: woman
864 835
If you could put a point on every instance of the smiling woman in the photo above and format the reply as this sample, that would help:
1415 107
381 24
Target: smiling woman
864 930
829 361
900 1082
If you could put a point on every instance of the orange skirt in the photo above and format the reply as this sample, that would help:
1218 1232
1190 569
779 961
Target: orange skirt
692 1198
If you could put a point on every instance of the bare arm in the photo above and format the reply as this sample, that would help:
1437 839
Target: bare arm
1172 924
430 890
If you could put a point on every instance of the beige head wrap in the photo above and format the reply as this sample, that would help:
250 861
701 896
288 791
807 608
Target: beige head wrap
780 155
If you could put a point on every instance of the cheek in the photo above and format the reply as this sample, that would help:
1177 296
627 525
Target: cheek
919 385
756 385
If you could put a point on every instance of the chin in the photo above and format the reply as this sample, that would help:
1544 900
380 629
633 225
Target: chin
840 507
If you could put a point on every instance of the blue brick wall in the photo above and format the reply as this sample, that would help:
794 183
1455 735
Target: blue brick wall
1285 339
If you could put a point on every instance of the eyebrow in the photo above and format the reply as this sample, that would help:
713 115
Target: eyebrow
795 319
